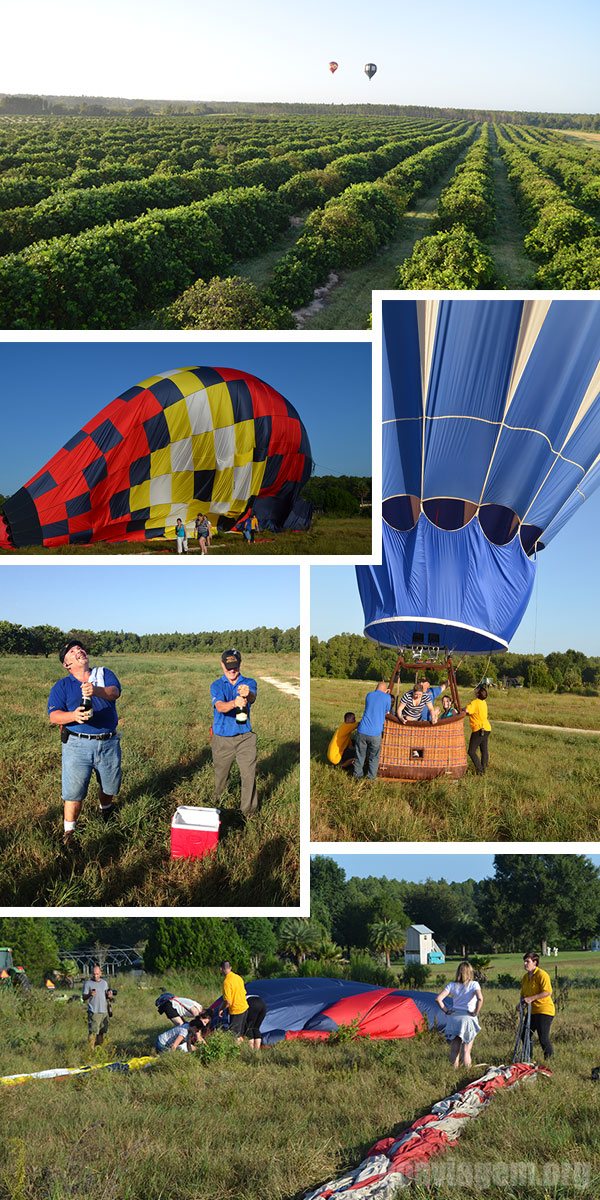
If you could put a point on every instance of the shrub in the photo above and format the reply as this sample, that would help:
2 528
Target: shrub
415 975
229 303
454 259
364 969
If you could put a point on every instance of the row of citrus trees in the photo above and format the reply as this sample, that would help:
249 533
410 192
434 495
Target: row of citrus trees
71 210
38 157
562 237
110 275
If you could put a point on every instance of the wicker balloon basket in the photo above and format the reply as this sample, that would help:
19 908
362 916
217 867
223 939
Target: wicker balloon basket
422 750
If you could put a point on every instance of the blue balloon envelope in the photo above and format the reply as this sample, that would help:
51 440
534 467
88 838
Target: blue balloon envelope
491 440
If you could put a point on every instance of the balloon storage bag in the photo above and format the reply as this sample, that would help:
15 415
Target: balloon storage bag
194 831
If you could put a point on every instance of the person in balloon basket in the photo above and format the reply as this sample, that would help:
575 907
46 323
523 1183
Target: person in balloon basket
233 740
415 705
480 731
369 731
83 705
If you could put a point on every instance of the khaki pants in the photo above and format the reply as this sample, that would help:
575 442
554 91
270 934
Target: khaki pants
242 750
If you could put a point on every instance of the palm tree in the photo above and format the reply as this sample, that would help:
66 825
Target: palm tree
298 937
386 935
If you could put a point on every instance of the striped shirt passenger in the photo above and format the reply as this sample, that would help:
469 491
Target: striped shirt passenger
412 704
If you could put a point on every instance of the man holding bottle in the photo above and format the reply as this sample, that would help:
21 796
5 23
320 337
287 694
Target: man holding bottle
232 737
84 705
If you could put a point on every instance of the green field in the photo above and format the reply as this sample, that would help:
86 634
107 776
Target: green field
186 1131
542 784
165 716
328 535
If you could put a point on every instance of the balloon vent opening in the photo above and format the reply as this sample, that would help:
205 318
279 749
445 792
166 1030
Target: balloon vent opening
401 512
448 513
498 523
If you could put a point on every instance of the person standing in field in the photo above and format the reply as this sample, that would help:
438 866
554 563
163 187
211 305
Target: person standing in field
98 995
536 990
203 532
233 739
369 731
462 1025
234 1000
480 731
181 537
84 706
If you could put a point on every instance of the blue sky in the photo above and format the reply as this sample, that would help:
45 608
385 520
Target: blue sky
539 55
562 612
150 599
49 390
416 868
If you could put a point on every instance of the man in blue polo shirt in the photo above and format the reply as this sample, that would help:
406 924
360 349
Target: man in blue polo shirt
367 740
84 705
233 740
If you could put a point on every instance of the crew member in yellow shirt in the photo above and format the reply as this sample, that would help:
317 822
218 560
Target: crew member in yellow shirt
480 731
536 990
341 746
234 999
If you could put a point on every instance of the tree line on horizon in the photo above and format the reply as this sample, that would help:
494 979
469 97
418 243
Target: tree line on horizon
352 656
109 106
357 925
47 640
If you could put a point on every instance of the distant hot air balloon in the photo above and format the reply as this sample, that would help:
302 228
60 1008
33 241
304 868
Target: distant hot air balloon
197 439
491 440
370 69
333 66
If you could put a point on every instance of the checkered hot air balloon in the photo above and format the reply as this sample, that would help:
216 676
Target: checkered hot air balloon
491 441
194 440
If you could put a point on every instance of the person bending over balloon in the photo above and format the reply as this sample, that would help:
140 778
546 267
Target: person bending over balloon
462 1025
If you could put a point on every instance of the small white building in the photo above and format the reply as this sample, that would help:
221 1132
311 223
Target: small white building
421 946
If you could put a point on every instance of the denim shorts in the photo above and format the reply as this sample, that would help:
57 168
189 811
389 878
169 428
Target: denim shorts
83 756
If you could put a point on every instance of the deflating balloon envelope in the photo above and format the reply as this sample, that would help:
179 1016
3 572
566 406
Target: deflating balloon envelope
491 440
197 439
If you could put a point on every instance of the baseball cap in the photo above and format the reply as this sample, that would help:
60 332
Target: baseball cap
62 654
231 658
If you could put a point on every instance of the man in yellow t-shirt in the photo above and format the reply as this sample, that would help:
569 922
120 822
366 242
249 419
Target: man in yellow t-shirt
341 746
480 731
234 999
536 990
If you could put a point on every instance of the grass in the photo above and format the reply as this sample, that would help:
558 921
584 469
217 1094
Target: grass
541 784
575 965
165 715
514 268
259 268
186 1131
327 535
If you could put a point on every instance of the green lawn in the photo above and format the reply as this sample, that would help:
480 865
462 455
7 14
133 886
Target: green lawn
165 716
541 784
327 535
276 1123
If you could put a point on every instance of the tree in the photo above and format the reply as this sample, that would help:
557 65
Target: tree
386 936
327 889
258 936
32 942
185 945
298 937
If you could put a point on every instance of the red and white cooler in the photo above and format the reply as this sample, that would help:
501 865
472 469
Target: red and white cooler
194 831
